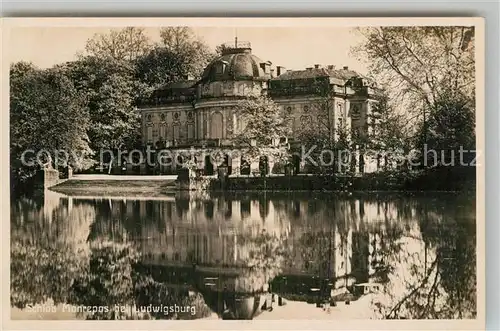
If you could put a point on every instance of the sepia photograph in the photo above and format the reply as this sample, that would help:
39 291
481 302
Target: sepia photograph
246 169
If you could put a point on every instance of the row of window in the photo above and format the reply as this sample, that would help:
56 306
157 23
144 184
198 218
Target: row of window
174 133
306 108
176 115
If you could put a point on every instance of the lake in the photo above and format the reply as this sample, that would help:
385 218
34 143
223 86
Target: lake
234 255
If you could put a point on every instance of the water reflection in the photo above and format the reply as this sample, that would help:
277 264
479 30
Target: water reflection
234 255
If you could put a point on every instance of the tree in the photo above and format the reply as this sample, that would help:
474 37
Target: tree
126 44
261 126
388 139
449 127
161 66
416 64
324 127
219 49
178 55
111 92
46 113
183 41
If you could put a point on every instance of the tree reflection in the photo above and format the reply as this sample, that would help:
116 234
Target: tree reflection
85 252
265 260
433 278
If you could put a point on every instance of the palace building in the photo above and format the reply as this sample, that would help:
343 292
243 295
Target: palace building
196 114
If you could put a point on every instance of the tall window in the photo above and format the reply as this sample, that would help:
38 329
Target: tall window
190 131
217 89
216 126
163 132
176 133
340 109
150 133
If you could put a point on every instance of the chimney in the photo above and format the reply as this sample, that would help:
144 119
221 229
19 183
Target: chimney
310 68
272 73
280 70
331 66
346 68
317 66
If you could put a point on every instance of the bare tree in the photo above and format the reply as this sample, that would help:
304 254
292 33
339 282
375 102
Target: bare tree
125 44
183 41
416 64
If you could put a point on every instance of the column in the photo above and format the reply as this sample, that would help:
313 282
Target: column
254 167
270 163
235 166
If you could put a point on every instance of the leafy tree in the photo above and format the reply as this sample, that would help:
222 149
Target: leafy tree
219 49
323 129
388 140
161 66
46 113
178 55
449 127
111 92
126 44
261 126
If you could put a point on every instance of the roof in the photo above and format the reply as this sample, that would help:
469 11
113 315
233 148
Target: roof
236 64
340 76
181 84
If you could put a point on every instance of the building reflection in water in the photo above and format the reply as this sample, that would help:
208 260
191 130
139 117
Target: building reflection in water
235 250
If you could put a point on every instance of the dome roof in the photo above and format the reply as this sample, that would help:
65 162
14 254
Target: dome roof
236 63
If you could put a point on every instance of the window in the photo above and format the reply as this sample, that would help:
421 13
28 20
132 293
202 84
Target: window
289 110
305 119
163 131
216 126
176 132
340 108
217 89
219 68
306 109
190 131
190 115
148 117
355 111
176 116
162 117
150 133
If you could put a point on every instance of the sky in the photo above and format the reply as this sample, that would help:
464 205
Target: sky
291 47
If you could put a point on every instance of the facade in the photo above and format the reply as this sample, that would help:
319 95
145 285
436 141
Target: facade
201 113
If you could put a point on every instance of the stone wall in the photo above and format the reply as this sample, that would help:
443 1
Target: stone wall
48 177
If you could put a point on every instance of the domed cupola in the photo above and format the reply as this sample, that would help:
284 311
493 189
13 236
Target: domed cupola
237 63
